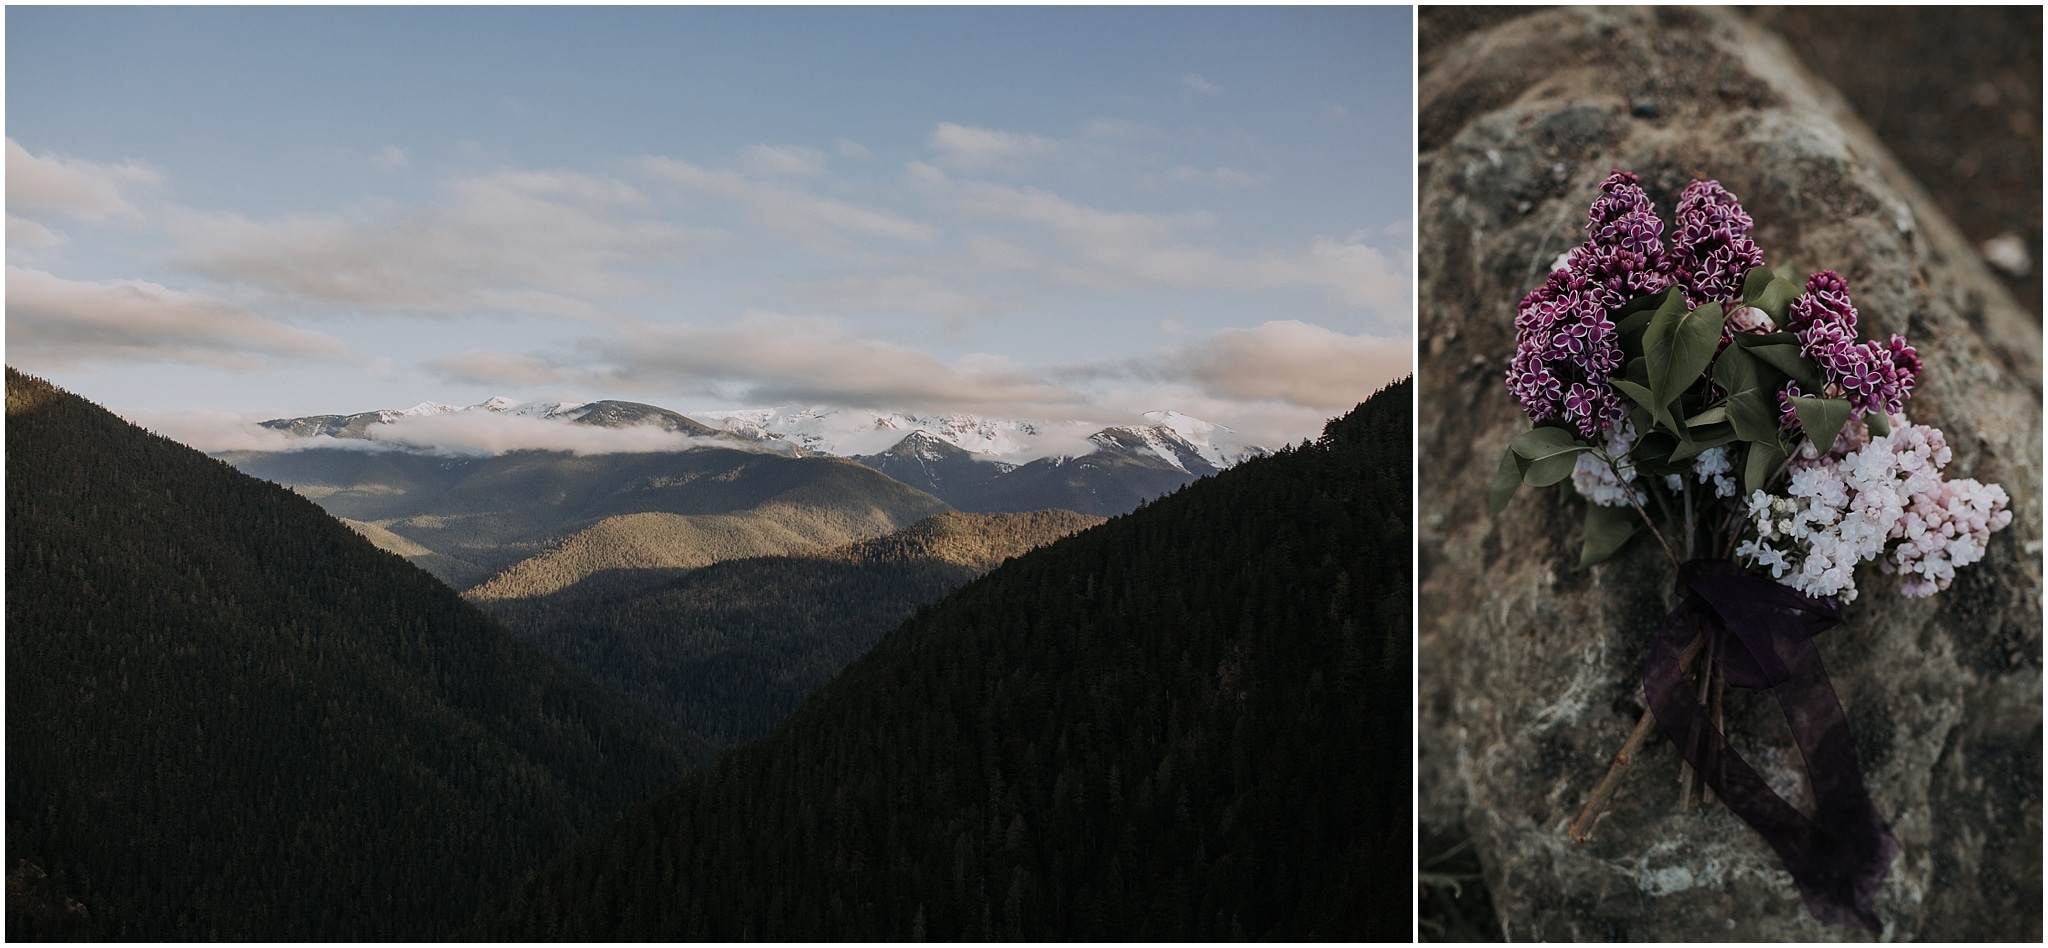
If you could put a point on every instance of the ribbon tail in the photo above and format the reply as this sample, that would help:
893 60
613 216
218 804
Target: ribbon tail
1840 857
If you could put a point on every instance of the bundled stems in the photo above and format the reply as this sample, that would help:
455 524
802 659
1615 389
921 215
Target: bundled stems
1640 512
1720 685
1686 777
1582 828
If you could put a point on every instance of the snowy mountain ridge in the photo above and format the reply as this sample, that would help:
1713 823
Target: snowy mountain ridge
1181 441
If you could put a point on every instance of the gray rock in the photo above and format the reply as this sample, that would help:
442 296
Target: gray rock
1529 667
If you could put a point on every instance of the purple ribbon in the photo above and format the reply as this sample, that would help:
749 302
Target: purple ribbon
1761 634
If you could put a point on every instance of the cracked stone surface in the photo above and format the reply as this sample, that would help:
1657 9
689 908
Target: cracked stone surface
1529 667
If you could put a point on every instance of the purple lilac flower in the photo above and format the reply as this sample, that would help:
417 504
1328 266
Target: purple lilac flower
1788 417
1710 246
1873 377
1565 341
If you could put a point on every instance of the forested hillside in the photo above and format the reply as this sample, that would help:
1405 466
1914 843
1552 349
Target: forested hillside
228 716
1189 723
482 515
728 651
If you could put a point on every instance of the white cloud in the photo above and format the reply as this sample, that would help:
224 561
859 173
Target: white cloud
1122 249
965 147
390 158
513 240
53 323
212 430
766 358
25 233
783 160
85 190
1196 83
1216 177
481 365
902 294
1121 130
813 218
464 433
488 432
852 149
1290 361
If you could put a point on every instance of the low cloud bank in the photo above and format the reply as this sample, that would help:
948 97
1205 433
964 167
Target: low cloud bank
469 433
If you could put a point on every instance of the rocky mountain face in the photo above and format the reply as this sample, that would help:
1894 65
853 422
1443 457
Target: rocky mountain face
1128 466
1529 666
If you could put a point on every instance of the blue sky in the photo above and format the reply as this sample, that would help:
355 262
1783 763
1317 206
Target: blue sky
1039 213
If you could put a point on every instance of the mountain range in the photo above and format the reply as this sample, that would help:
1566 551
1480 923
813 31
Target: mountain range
232 716
467 518
1189 723
976 464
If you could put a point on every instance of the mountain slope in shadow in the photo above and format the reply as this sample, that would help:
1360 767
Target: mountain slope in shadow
1189 723
229 716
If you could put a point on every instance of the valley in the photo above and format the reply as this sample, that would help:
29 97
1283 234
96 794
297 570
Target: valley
1097 729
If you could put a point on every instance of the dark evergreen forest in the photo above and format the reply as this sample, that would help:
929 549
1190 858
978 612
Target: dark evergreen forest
1189 723
727 651
228 716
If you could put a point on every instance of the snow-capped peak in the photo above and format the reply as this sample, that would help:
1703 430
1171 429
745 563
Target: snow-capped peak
1218 444
423 408
850 432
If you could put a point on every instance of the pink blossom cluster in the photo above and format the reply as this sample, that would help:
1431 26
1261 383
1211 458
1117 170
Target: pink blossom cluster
1565 340
1873 376
1884 500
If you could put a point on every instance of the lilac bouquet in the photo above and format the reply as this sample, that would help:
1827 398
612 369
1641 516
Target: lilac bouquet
1731 411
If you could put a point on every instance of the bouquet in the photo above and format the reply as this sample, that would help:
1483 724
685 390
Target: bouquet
1730 411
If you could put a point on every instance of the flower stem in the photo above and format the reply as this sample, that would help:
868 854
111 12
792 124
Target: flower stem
1673 557
1582 828
1685 772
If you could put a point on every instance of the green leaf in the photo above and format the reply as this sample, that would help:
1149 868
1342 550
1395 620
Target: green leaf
1752 388
1638 371
1505 482
1822 418
1878 424
1653 448
1787 360
1605 530
1699 439
1751 340
1544 472
1774 297
1678 347
1790 274
1636 393
1550 453
1715 414
1754 281
1542 442
1763 461
1628 330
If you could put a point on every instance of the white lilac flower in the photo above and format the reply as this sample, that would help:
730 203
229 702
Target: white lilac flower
1881 500
1716 466
1603 483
